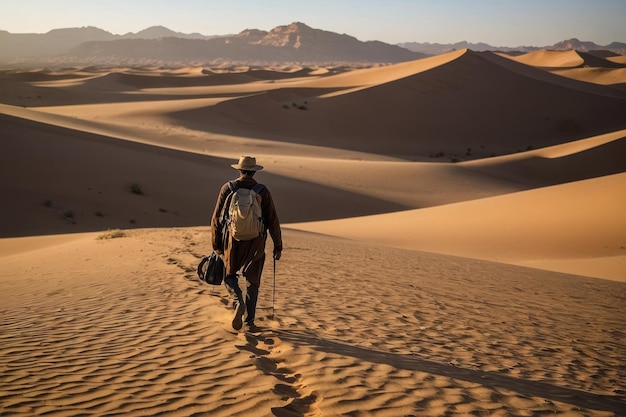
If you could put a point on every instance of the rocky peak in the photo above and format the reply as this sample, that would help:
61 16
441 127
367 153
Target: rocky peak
576 45
288 36
298 35
251 35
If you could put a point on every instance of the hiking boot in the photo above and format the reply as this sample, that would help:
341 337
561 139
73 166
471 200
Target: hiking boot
253 328
240 309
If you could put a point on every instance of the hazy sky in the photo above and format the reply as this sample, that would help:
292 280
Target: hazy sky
497 22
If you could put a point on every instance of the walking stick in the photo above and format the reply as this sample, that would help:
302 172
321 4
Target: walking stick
274 289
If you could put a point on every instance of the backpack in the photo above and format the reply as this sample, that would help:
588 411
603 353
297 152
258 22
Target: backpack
211 269
242 214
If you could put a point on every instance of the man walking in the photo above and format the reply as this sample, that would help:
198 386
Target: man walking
246 254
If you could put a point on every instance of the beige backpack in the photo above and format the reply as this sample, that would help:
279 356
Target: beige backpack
242 212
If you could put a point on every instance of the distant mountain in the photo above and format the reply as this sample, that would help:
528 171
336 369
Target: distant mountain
296 42
55 42
617 48
60 41
441 48
156 32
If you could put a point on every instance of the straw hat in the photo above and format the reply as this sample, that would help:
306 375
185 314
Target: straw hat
247 163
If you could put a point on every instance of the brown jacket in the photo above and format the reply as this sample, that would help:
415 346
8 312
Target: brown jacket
255 248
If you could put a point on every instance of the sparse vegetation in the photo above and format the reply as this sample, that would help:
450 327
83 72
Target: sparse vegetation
68 215
111 234
302 106
136 188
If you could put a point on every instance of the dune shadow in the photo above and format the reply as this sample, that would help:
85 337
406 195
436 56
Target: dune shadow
489 379
48 171
605 159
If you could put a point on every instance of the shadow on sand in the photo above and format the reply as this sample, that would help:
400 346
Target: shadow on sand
489 379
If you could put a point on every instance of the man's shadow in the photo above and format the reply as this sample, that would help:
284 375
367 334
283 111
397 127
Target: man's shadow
540 389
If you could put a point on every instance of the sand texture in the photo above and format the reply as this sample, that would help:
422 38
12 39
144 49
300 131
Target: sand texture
454 239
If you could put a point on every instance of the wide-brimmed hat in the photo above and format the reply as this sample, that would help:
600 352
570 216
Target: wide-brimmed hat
247 163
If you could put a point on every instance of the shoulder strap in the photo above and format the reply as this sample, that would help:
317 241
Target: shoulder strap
232 186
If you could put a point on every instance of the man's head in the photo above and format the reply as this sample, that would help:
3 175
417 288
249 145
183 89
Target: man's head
247 165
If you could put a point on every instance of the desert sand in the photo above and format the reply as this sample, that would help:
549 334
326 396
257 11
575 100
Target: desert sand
454 231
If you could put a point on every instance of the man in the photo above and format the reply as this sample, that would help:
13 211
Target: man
245 255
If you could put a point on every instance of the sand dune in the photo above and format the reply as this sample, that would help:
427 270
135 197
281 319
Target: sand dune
550 59
604 76
140 335
564 59
578 65
409 284
429 113
588 158
619 59
522 227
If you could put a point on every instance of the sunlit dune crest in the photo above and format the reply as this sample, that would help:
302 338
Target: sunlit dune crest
621 59
578 65
551 59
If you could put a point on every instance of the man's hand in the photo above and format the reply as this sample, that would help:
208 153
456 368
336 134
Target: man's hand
219 252
277 255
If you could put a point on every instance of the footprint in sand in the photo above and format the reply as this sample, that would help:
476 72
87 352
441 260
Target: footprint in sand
301 400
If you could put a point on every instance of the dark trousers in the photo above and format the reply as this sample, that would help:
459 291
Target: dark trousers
252 295
249 257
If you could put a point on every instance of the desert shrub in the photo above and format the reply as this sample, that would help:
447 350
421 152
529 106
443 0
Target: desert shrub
47 203
136 188
68 215
111 234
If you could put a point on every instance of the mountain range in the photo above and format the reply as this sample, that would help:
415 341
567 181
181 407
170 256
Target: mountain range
615 48
296 42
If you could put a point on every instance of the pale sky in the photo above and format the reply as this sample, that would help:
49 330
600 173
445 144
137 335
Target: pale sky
497 22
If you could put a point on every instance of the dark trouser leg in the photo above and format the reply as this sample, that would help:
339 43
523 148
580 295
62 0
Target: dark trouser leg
232 285
239 306
253 276
252 296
